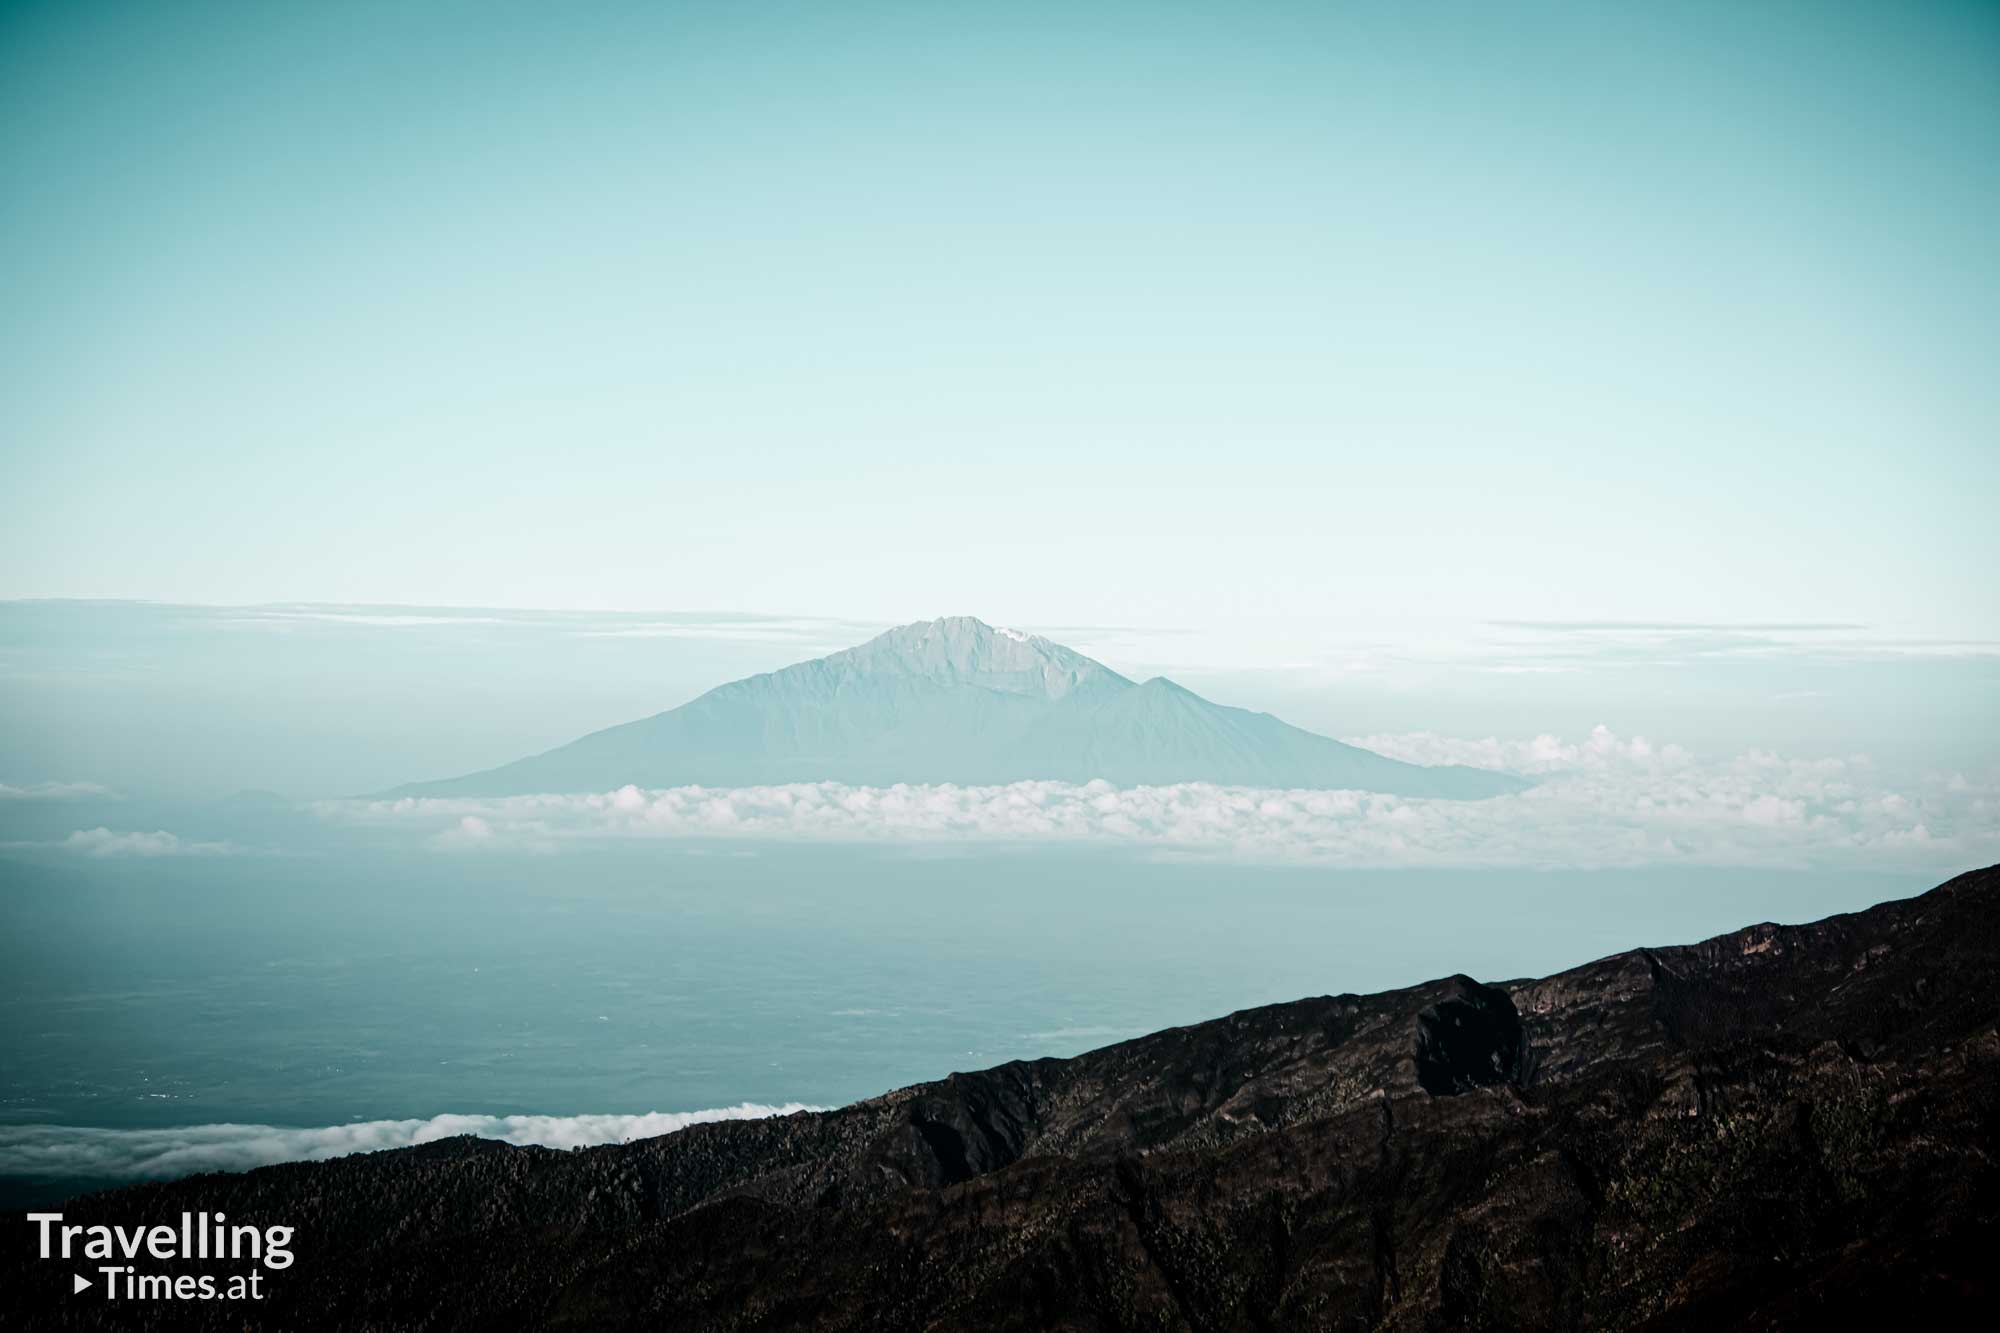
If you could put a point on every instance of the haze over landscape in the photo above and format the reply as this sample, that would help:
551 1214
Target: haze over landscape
797 888
570 575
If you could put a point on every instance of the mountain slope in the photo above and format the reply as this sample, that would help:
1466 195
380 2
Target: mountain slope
956 700
1784 1126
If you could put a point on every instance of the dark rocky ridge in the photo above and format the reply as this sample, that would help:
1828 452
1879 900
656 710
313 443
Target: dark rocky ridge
1786 1126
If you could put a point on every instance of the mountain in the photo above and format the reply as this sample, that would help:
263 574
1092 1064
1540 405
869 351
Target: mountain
956 700
1782 1127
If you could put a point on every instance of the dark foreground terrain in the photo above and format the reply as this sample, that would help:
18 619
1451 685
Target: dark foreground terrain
1784 1127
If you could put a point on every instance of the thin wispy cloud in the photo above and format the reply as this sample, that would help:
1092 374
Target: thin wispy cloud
801 632
379 620
746 627
104 842
55 791
1396 654
1611 643
1678 626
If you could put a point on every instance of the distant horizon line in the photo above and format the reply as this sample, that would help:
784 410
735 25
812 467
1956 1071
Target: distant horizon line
1584 624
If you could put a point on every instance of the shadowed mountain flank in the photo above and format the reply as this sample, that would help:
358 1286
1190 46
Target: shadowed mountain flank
956 700
1784 1126
1470 1040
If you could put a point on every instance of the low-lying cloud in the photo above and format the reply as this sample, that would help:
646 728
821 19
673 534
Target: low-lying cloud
1603 801
61 1152
1603 750
54 791
105 842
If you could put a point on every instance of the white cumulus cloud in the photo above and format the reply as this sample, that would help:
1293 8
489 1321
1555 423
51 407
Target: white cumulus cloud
1602 749
1604 800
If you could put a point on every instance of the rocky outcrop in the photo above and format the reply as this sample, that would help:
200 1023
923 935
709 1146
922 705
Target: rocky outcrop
1787 1126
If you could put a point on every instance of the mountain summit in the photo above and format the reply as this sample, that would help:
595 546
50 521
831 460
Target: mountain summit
963 650
956 700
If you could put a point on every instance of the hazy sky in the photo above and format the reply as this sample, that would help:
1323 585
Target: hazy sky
1053 313
331 701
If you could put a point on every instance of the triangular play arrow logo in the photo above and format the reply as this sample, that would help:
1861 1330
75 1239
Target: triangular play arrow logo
81 1283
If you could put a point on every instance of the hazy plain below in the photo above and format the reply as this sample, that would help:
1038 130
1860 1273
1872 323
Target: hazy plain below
211 955
348 984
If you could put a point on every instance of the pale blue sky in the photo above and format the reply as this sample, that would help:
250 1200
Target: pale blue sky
1157 314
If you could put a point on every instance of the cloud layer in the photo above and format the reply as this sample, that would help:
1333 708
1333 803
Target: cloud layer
1602 801
60 1152
104 842
53 791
